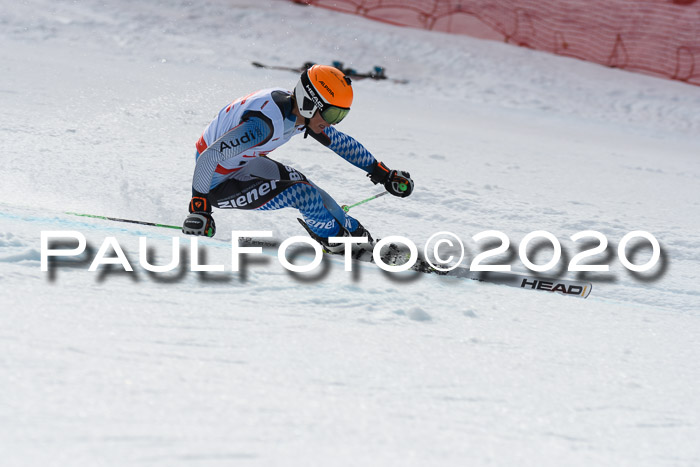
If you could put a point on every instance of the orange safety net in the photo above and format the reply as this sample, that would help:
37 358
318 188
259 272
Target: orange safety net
659 37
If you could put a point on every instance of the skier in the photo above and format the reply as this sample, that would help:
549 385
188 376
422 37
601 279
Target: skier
233 171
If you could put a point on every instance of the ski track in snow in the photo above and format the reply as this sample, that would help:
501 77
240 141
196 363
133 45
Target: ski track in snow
102 104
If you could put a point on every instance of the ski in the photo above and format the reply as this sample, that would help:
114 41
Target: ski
377 74
283 68
394 256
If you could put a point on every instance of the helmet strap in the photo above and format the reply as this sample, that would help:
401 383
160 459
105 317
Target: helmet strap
306 127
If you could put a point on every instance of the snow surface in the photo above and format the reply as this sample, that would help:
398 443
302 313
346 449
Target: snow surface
102 103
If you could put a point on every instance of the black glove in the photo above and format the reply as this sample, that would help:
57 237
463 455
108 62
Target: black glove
396 182
199 222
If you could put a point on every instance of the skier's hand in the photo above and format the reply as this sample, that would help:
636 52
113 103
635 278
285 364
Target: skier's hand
200 221
396 182
399 183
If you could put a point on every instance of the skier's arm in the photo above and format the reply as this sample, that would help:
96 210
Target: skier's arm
255 129
346 147
396 182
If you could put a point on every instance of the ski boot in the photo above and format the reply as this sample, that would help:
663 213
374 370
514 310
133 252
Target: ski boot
339 248
357 248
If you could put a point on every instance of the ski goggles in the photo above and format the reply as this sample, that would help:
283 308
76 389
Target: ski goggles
332 114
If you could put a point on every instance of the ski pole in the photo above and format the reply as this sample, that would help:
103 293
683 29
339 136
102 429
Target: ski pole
177 227
131 221
247 240
346 207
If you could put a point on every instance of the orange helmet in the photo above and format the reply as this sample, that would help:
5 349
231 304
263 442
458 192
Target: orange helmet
324 88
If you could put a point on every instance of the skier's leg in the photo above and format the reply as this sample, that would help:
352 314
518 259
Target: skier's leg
314 205
349 223
305 197
269 185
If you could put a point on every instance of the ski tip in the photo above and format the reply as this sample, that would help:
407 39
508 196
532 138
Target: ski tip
305 225
587 290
